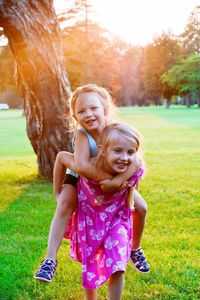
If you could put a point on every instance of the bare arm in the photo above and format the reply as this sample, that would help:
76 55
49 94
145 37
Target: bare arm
84 165
79 162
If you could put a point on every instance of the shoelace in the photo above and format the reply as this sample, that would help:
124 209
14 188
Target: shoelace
48 266
139 255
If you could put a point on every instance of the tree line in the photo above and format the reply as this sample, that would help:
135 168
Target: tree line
135 75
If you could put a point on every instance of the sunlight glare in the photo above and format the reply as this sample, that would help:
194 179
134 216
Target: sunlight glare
137 22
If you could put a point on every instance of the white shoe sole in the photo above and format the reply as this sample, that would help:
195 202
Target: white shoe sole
137 269
42 279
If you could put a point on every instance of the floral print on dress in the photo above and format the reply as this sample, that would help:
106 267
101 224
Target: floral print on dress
109 243
96 235
103 216
101 231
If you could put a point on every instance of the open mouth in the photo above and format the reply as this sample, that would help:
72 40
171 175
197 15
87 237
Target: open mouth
122 165
89 122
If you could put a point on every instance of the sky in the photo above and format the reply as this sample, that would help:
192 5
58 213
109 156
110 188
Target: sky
137 21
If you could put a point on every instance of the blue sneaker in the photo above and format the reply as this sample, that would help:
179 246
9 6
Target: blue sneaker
138 260
46 270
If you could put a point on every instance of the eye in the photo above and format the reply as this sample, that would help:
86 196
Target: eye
117 150
131 152
94 107
80 112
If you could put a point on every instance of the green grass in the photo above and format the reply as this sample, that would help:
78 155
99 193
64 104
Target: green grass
171 142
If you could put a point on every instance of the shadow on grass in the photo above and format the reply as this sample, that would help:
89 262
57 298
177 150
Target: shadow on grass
23 237
11 187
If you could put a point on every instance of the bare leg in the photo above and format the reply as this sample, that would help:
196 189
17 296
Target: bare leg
91 294
116 284
139 217
67 203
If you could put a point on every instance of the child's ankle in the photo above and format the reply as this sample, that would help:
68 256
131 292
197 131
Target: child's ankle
135 249
50 258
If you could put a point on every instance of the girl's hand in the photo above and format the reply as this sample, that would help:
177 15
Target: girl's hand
110 185
123 186
106 185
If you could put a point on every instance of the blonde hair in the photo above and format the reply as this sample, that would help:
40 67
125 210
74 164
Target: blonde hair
104 97
109 133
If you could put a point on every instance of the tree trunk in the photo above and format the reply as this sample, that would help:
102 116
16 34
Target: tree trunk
166 103
34 36
198 99
188 100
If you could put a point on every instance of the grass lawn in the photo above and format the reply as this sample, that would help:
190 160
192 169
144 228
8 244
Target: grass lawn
171 143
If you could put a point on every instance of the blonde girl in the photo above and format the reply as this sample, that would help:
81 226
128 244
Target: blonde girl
101 230
91 108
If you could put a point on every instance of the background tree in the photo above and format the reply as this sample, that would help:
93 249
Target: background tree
6 74
160 56
190 38
185 78
132 90
34 36
76 18
92 53
103 57
9 91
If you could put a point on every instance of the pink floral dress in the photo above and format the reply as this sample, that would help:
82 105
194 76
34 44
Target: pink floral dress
101 231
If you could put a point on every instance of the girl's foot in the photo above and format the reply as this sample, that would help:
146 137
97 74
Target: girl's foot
46 270
138 260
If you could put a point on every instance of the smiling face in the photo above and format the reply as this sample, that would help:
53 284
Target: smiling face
119 154
89 112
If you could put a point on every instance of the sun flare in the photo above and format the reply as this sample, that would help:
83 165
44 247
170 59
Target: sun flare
138 21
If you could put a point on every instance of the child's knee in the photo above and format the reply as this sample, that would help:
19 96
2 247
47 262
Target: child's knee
141 208
140 205
60 155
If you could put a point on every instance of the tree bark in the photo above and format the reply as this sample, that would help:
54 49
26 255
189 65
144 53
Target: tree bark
34 36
